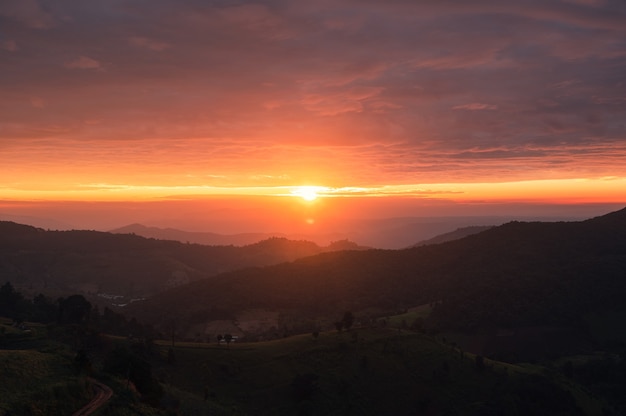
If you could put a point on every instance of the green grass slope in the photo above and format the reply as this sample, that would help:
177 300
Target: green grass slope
37 377
363 371
371 371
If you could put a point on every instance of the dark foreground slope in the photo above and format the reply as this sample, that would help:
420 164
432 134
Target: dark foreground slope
124 264
372 371
515 275
37 377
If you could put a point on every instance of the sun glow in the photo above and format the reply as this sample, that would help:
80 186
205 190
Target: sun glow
580 190
308 193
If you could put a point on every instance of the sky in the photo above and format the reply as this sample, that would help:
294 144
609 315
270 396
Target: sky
159 109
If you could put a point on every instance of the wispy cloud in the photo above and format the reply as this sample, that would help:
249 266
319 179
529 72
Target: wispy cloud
475 106
37 102
151 44
9 45
29 12
83 62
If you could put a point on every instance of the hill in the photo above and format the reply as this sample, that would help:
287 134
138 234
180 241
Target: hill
454 235
205 238
37 377
371 371
45 223
369 368
125 265
42 373
512 276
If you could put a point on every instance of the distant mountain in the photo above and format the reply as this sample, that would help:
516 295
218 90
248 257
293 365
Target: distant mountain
520 274
403 232
454 235
394 233
389 233
206 238
215 239
126 265
45 223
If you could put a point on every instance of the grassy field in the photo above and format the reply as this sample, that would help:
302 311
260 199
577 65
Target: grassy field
37 375
363 372
407 319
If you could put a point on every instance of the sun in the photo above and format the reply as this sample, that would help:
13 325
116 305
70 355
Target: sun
308 193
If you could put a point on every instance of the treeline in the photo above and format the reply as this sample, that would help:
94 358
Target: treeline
70 310
127 264
73 321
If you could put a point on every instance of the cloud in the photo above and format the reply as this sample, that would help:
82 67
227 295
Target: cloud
37 102
9 45
475 106
148 43
29 13
342 100
411 190
83 62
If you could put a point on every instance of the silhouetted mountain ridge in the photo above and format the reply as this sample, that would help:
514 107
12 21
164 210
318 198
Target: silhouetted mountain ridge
517 274
454 235
93 262
205 238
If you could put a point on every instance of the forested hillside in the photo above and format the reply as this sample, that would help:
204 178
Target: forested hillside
518 274
93 262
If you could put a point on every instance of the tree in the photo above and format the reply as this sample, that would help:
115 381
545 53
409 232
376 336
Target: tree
10 301
113 322
480 362
74 310
171 357
95 317
173 327
82 362
228 338
123 362
348 320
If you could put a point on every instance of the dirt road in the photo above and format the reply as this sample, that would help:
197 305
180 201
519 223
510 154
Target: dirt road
102 393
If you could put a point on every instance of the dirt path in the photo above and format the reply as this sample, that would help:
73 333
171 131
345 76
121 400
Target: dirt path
102 393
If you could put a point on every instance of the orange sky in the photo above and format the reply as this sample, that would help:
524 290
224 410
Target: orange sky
443 104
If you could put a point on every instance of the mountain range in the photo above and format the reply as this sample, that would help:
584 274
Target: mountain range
205 238
389 233
566 275
128 266
563 277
